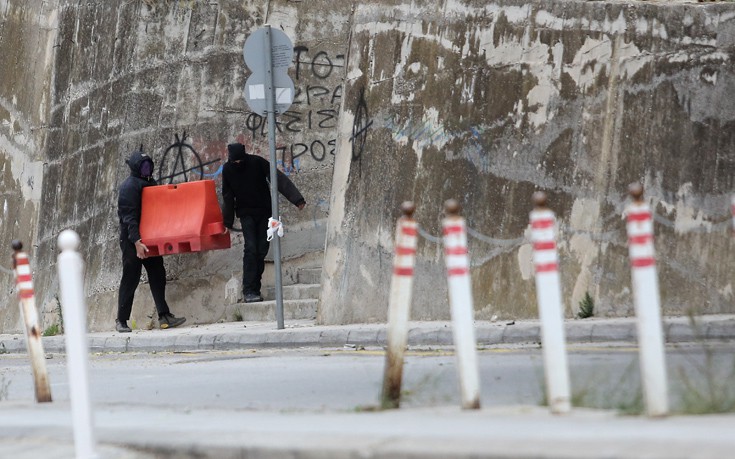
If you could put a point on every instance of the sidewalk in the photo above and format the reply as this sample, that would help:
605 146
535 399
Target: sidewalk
304 333
133 430
34 431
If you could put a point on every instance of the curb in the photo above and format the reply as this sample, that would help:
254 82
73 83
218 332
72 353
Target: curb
421 334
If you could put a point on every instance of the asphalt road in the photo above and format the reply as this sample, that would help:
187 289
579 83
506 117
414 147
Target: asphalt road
349 380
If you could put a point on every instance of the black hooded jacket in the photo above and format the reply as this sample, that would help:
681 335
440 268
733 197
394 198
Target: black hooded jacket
129 200
245 188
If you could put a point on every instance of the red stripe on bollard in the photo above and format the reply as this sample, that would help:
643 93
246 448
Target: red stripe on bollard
26 294
453 230
639 216
458 272
546 267
643 262
403 271
455 250
21 260
405 251
545 245
24 278
542 223
640 240
409 230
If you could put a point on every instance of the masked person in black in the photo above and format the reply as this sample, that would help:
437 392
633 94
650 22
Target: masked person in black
134 252
246 193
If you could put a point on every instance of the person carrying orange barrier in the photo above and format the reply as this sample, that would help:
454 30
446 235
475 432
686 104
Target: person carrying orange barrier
246 194
134 252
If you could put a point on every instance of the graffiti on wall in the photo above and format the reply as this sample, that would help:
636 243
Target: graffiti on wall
360 126
181 162
312 118
426 133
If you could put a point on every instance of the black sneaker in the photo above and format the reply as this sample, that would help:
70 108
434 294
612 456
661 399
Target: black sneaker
170 321
253 298
122 327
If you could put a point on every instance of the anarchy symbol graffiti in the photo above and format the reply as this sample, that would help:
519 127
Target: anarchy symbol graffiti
181 162
360 127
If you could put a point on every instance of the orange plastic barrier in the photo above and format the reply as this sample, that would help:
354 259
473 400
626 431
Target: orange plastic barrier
182 218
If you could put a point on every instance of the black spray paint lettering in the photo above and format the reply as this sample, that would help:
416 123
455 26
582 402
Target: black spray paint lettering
321 65
313 93
315 108
318 150
360 126
293 122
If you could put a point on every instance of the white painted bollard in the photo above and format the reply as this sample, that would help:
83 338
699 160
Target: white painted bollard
647 303
551 312
460 300
31 329
400 305
71 283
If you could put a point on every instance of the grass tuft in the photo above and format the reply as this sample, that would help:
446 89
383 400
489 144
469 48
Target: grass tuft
586 306
52 330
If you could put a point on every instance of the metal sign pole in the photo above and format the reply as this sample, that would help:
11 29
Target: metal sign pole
270 103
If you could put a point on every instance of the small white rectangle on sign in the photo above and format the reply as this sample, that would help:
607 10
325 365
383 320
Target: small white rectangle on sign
256 91
283 96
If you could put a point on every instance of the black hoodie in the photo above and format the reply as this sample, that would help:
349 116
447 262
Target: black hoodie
245 188
129 200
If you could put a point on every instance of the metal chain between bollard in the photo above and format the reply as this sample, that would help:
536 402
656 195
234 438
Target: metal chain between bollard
505 245
427 236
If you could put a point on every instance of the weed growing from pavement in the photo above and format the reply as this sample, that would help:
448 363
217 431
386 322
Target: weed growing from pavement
237 315
597 392
4 388
716 393
58 327
586 306
425 391
59 311
52 330
705 385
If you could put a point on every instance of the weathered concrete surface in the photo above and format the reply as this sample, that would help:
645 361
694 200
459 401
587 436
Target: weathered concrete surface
27 37
486 102
94 80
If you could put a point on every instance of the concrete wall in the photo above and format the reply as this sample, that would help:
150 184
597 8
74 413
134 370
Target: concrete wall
486 102
480 101
94 80
27 37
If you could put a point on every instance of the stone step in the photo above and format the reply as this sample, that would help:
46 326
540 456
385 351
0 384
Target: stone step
310 276
294 292
266 310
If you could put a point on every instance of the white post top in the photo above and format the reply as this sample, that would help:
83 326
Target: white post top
68 240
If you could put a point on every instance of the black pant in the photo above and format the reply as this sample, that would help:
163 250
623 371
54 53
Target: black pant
254 231
132 266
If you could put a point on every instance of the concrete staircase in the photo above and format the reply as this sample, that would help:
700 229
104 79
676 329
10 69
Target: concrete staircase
300 298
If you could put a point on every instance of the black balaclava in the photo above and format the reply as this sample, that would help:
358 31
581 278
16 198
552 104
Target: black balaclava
235 152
